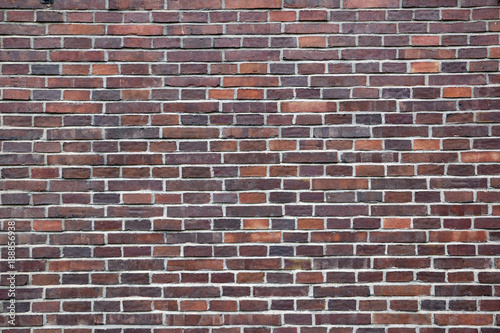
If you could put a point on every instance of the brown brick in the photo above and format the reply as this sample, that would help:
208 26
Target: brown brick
371 4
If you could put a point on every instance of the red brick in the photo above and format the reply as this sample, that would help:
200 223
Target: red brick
140 30
371 4
400 318
456 92
395 290
481 157
135 4
186 4
425 41
464 319
76 29
425 67
252 4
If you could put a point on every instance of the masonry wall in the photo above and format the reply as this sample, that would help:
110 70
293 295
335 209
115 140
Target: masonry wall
251 166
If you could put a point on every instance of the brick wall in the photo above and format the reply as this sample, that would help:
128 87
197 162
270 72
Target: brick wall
251 166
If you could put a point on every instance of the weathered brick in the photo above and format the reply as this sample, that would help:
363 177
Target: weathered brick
308 107
371 4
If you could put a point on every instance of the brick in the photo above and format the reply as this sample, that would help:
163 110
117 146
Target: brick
463 236
415 319
185 4
253 4
76 29
435 3
399 291
308 107
452 92
474 157
343 319
261 237
425 41
371 4
344 184
309 158
74 108
140 30
464 319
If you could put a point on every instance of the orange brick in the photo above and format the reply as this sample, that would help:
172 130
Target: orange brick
397 223
105 69
426 144
253 198
134 95
454 92
312 41
47 225
424 67
253 68
253 171
77 95
282 16
256 224
368 145
495 51
250 94
425 40
194 306
319 106
371 3
317 224
475 157
282 145
221 93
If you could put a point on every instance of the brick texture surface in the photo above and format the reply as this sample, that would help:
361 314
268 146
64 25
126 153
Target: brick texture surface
251 166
